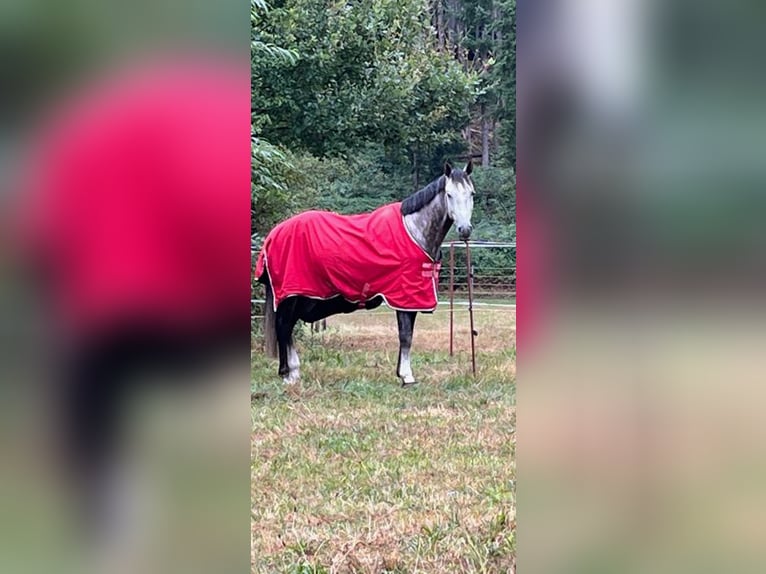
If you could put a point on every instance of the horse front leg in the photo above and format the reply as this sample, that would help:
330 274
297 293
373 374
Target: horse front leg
406 322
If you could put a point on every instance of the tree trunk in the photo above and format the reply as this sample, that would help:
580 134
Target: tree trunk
484 137
440 23
454 28
498 39
415 180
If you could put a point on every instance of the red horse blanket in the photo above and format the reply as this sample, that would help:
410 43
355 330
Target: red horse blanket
321 254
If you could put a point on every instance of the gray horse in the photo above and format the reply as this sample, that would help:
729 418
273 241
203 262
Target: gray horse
427 215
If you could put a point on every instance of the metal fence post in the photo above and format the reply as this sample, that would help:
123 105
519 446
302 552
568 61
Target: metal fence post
470 306
451 293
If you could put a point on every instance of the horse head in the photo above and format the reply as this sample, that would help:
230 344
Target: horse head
458 189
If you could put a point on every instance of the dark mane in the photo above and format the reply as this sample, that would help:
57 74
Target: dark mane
420 199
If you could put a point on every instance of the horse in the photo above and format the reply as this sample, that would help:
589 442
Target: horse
318 263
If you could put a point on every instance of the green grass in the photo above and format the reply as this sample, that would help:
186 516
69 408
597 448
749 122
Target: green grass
351 473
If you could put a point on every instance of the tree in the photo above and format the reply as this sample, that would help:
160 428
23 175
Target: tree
504 73
270 167
369 72
357 103
481 36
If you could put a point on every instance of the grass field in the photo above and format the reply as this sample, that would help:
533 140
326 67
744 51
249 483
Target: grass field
351 473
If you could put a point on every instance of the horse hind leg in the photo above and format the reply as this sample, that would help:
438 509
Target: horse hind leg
293 364
289 364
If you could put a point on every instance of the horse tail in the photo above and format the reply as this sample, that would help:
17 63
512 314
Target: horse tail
269 322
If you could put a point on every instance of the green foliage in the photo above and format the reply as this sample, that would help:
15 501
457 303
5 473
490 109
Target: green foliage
356 104
504 78
367 72
270 170
482 36
495 194
370 178
360 183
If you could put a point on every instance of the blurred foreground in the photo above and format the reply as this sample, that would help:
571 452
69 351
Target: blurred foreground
641 148
125 286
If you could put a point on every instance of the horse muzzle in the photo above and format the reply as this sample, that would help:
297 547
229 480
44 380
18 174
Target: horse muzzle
464 231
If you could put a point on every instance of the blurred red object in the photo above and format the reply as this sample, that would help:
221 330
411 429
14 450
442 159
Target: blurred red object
136 200
535 271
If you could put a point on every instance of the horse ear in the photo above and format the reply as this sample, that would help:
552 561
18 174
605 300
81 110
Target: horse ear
447 169
469 167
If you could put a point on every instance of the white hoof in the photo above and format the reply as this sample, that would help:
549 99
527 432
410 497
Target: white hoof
408 380
292 378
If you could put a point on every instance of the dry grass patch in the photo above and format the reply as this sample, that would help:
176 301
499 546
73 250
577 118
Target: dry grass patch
377 330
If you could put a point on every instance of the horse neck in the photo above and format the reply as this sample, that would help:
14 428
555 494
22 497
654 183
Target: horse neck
429 225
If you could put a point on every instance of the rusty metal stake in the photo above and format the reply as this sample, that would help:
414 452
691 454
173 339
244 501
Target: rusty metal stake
451 292
470 305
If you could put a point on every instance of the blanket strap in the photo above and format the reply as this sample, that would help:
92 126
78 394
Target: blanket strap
431 269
